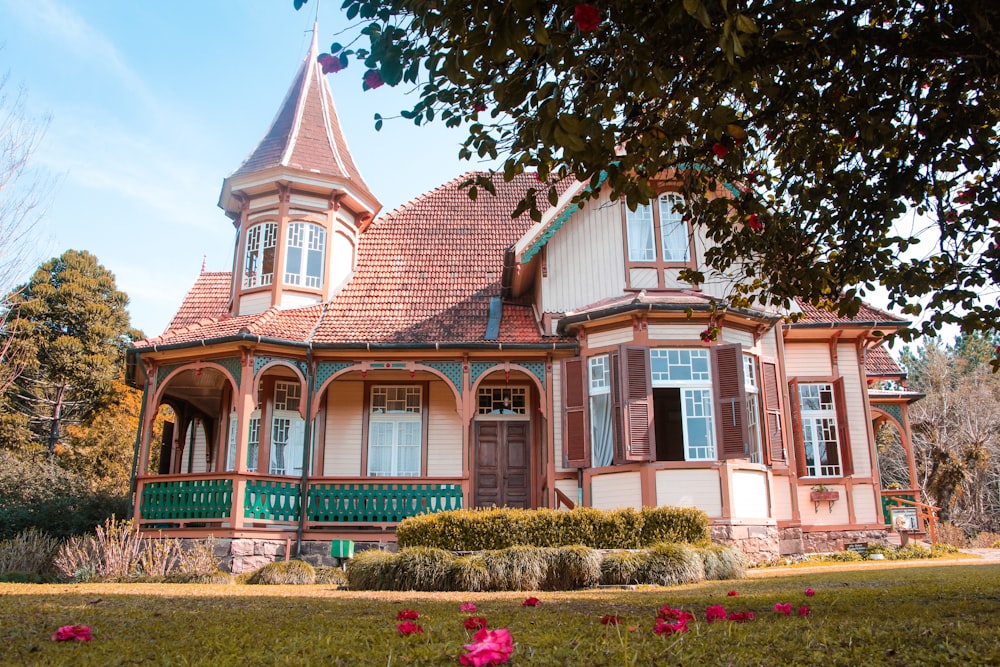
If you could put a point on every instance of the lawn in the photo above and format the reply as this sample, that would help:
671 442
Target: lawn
926 615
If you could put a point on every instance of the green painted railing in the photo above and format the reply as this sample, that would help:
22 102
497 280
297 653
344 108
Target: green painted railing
271 501
187 500
379 503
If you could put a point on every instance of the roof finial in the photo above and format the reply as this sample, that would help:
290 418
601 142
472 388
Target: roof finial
204 263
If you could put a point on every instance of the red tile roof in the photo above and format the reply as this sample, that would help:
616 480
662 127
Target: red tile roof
867 314
426 274
880 364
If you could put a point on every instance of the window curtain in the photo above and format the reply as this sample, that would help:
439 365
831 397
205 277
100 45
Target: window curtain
641 247
600 430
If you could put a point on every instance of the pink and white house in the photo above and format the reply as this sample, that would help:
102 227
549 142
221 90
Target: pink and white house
357 367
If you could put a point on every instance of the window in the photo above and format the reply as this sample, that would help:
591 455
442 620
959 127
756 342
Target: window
304 258
682 395
231 444
287 395
253 442
258 264
600 411
395 431
753 408
819 430
287 430
503 401
658 233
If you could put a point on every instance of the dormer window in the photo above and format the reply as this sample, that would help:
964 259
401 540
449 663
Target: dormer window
258 264
656 237
306 250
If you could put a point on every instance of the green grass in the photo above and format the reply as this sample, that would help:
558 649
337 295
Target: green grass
923 615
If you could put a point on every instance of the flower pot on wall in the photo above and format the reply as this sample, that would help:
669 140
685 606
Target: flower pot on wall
829 497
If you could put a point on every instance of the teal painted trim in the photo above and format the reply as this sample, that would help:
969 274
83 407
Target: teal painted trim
890 408
556 224
186 500
325 369
536 368
480 368
379 503
234 366
260 362
163 371
450 369
271 501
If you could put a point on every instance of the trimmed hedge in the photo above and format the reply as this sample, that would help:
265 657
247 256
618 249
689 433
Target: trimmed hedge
491 529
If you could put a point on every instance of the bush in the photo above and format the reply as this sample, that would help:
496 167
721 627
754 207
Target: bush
622 568
30 551
517 568
284 572
493 529
113 553
571 567
672 564
723 562
371 570
216 577
330 575
422 569
469 573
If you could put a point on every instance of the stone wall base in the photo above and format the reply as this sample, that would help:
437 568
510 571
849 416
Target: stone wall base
246 554
837 540
758 543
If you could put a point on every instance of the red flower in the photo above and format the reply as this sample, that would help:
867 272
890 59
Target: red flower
474 623
531 602
720 150
372 79
732 594
785 608
611 619
331 64
741 616
810 592
489 647
75 633
407 615
754 222
715 613
478 107
587 17
664 628
467 606
804 610
667 612
409 628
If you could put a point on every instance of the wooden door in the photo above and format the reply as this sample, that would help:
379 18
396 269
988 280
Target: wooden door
502 464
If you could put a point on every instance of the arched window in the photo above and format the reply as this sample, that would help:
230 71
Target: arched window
306 254
258 264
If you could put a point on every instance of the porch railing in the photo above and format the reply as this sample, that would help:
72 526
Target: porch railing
378 503
180 501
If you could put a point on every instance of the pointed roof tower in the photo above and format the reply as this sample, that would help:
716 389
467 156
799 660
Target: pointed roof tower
304 146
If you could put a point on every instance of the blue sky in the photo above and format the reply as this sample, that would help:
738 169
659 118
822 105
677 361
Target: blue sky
153 103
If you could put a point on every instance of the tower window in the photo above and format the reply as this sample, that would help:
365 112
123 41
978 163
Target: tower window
306 252
258 264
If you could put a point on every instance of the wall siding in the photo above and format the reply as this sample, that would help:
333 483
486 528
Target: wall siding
690 488
557 413
570 488
444 433
823 514
585 259
807 359
605 338
290 300
865 508
615 490
769 343
676 332
750 494
252 304
343 429
781 498
744 338
858 425
194 453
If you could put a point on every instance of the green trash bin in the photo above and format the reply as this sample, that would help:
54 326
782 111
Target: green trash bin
342 549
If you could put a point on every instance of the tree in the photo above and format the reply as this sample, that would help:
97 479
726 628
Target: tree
859 138
73 327
101 449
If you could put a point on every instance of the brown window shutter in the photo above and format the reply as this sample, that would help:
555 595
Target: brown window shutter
730 401
576 443
796 406
637 415
771 391
618 417
846 460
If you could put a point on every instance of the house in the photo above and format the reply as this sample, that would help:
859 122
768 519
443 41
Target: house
358 367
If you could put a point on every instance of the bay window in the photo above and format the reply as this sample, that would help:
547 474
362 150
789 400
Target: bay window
305 254
258 262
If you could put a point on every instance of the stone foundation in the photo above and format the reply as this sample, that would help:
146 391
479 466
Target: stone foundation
837 540
246 555
758 543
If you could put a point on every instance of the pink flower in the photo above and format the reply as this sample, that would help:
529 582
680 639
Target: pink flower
667 612
715 613
489 647
467 606
372 79
754 222
479 107
409 628
741 616
785 608
407 615
474 623
76 633
810 592
330 64
720 150
586 17
531 602
732 594
611 619
664 628
804 610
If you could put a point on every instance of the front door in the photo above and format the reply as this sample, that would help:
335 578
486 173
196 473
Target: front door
503 464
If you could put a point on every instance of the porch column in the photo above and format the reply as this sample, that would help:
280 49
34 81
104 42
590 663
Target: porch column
245 401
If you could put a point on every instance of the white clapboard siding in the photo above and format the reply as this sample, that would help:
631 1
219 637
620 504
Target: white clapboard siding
342 455
341 261
615 337
744 338
570 488
750 494
807 359
444 433
822 513
690 488
615 490
194 452
318 203
858 424
291 300
769 343
252 304
270 201
685 331
557 424
585 259
781 498
866 507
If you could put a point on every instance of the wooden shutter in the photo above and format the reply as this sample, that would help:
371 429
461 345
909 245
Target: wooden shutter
846 460
636 411
730 401
796 407
576 443
771 392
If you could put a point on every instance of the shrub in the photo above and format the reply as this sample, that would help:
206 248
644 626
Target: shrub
671 564
622 568
198 557
330 576
422 569
723 562
284 572
949 533
571 567
674 524
517 568
469 573
216 577
30 551
371 570
111 554
158 556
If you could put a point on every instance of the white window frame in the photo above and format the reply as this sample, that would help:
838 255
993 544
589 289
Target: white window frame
819 429
260 238
506 402
308 240
599 387
287 430
750 383
697 400
398 411
673 228
658 234
253 441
